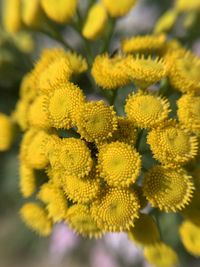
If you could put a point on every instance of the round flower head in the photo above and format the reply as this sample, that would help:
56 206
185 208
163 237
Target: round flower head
74 156
80 220
187 6
77 62
111 73
6 132
172 145
37 117
11 15
168 189
81 190
146 110
32 149
161 255
52 148
62 104
60 11
189 112
115 210
36 218
190 236
56 201
146 71
143 44
119 164
118 8
27 180
56 176
145 231
184 74
166 22
96 121
95 22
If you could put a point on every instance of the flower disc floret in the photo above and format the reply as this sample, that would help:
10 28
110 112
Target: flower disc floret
119 164
116 209
168 189
146 110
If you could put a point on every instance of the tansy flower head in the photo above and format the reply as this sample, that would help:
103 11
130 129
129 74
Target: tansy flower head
81 190
28 89
6 132
190 236
119 164
80 220
146 110
161 255
36 218
115 210
27 180
95 22
56 175
20 114
172 145
118 8
62 104
74 156
168 189
143 44
111 73
145 231
189 112
51 149
96 121
60 11
77 62
12 15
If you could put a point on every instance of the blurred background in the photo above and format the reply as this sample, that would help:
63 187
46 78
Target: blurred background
19 247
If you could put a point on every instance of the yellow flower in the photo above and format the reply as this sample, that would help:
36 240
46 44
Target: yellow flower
172 145
78 62
115 210
119 164
12 15
36 218
32 14
146 110
56 175
190 236
95 23
145 231
168 189
20 114
166 22
6 132
32 149
74 156
111 73
60 11
161 255
80 220
118 8
187 6
96 121
27 180
52 148
143 44
81 190
62 104
28 89
189 112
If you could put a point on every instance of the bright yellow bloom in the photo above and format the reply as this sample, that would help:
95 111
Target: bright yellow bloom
36 218
80 220
60 11
166 22
161 255
52 148
20 114
119 164
31 13
118 8
190 236
28 89
168 189
146 110
143 44
12 15
95 23
6 132
96 121
187 6
62 104
172 145
78 62
116 209
55 175
27 180
145 231
189 112
111 73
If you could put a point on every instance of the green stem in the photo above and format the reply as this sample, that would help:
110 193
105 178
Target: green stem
109 35
139 139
